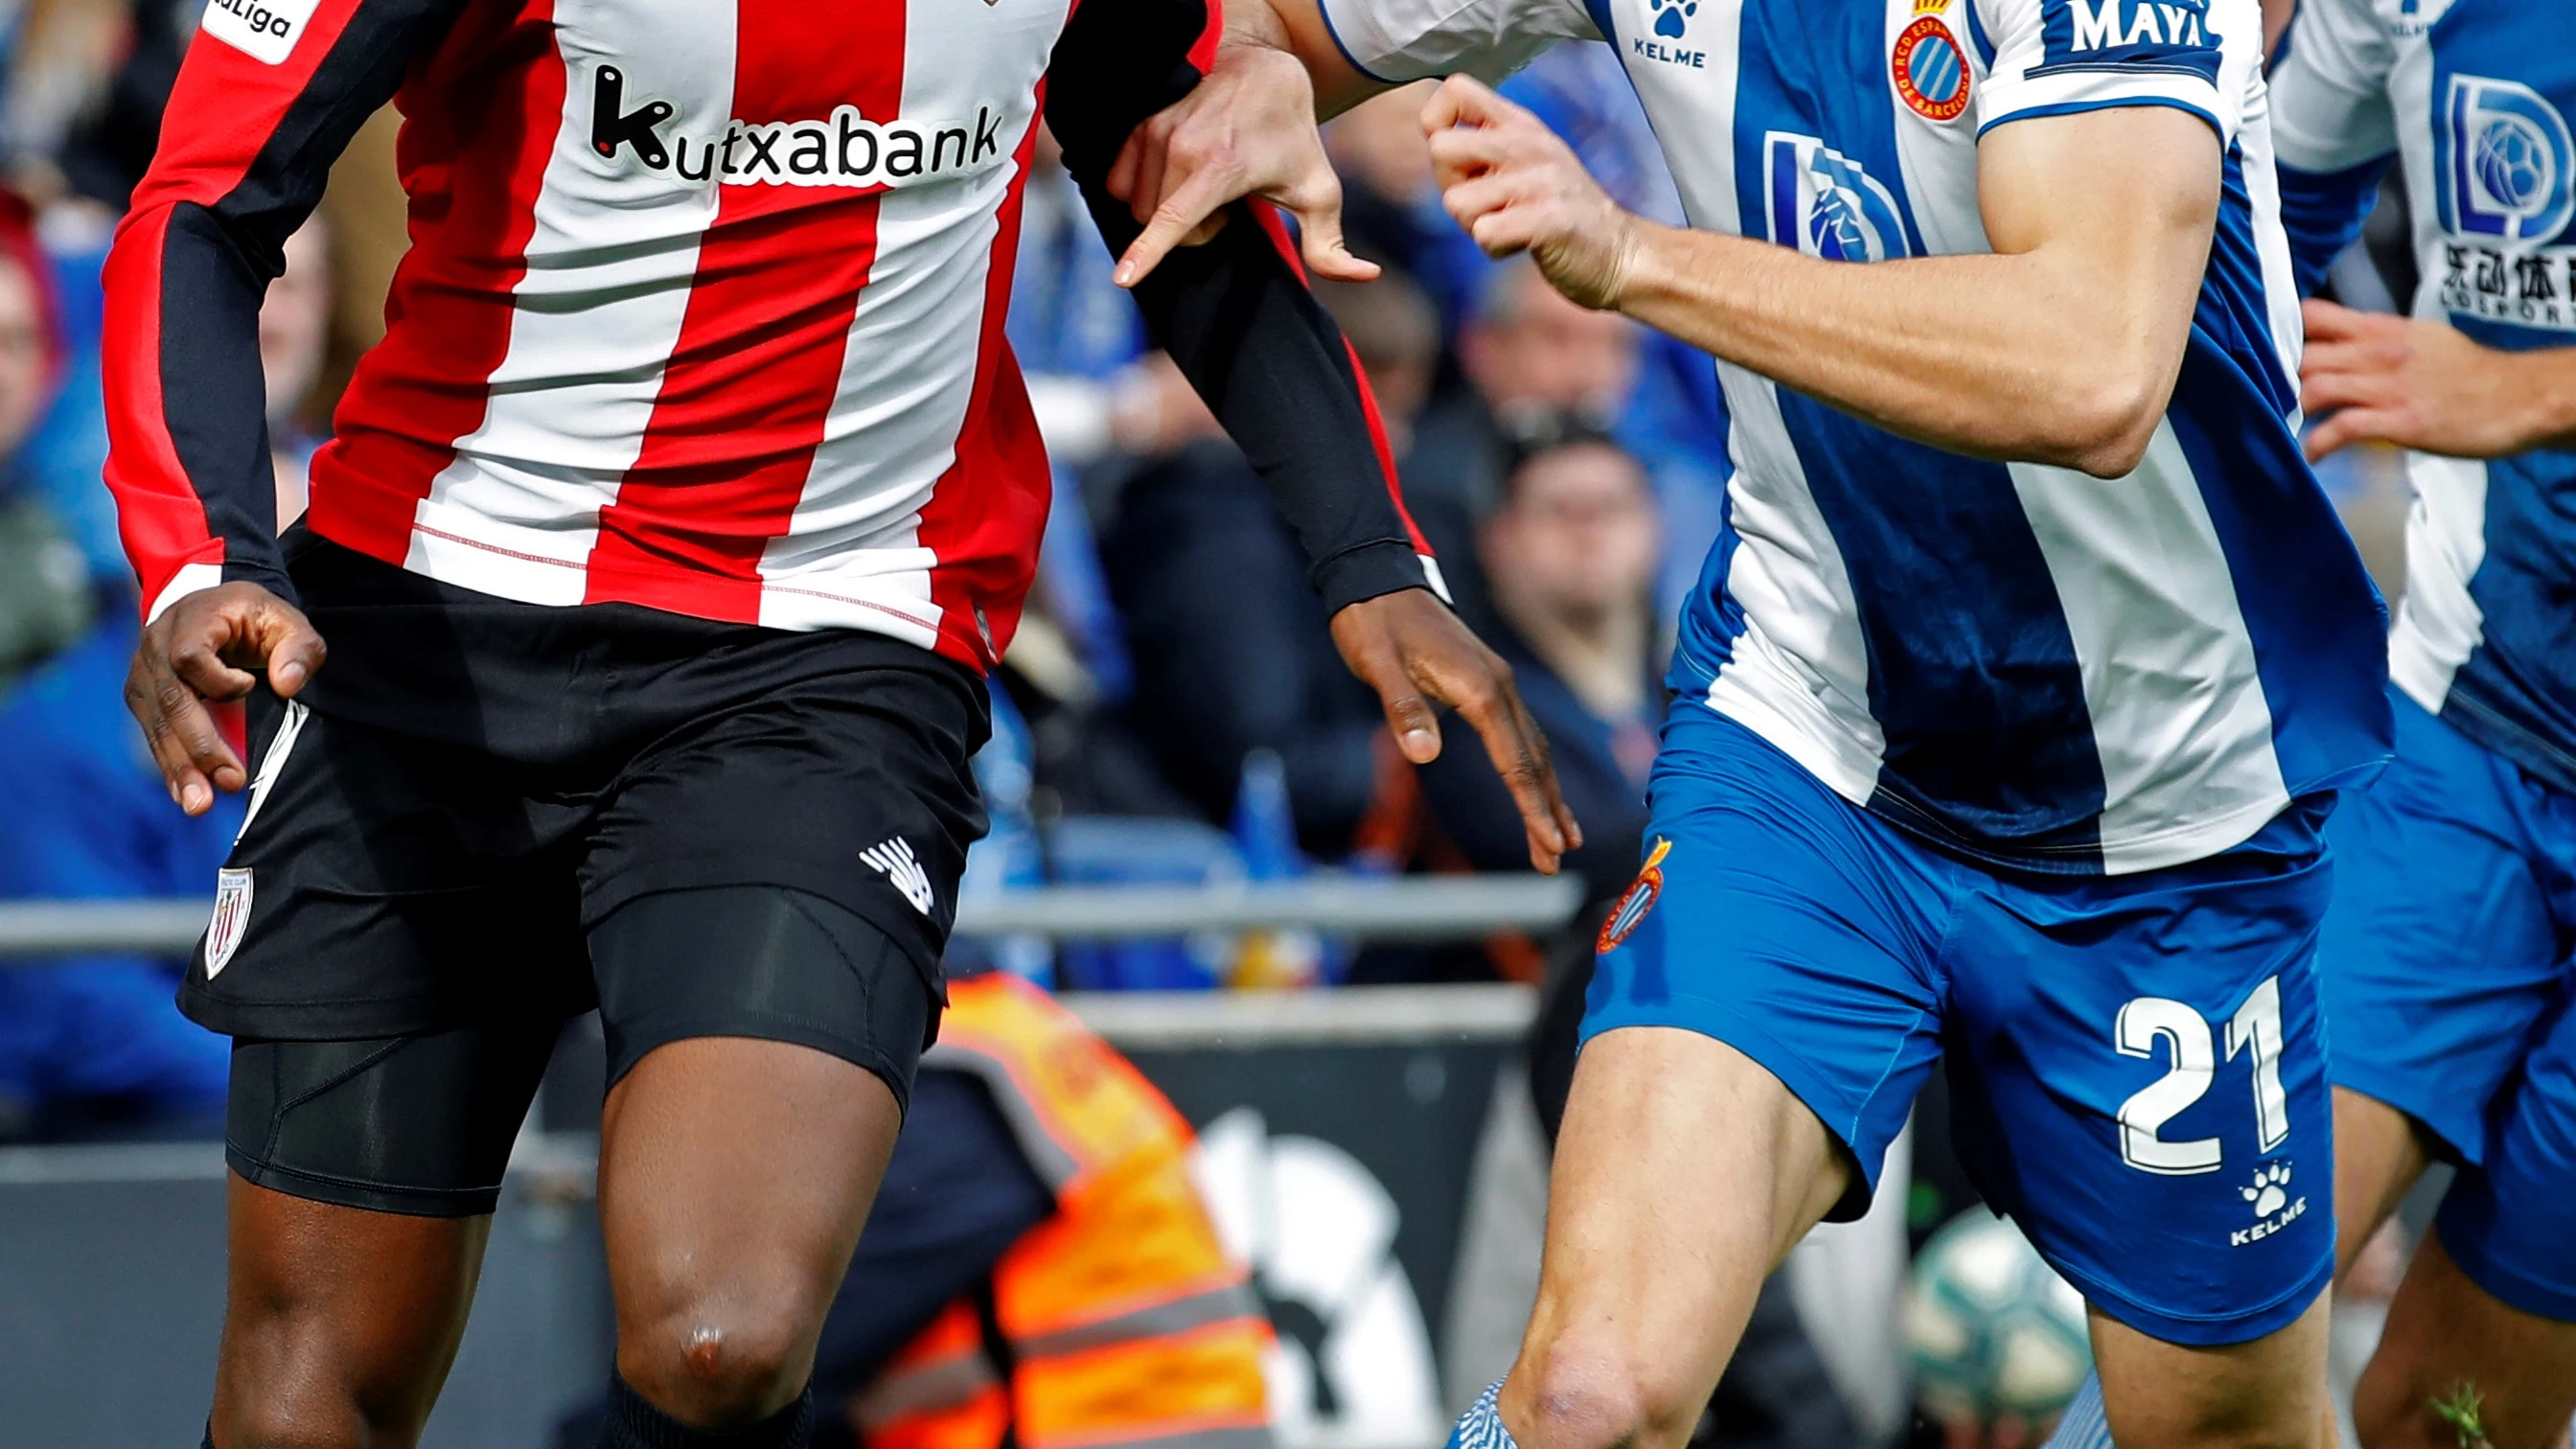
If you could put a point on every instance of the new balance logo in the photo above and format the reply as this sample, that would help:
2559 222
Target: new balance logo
842 149
895 861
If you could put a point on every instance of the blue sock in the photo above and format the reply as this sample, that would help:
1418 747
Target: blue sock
2083 1425
1482 1426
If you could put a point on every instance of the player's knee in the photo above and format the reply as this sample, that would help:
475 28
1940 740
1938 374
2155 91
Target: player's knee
2289 1430
1599 1396
277 1424
713 1368
292 1383
2389 1414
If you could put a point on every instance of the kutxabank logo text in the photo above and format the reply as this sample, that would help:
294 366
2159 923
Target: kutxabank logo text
842 149
894 860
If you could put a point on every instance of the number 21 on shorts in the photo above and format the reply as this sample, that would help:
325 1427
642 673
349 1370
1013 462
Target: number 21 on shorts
2191 1042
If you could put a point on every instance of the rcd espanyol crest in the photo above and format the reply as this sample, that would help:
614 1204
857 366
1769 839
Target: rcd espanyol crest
1631 911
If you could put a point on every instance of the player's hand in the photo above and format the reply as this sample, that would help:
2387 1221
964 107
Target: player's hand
2371 377
205 647
1410 649
1516 187
1247 130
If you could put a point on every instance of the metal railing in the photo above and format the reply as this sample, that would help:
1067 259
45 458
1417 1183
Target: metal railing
1414 909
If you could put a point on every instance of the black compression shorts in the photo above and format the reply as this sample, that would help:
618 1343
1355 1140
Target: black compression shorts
485 816
422 1123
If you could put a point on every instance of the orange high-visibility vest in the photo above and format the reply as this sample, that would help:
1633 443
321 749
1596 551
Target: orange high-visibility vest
1121 1319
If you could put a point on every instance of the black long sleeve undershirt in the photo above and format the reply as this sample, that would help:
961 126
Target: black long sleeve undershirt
1235 314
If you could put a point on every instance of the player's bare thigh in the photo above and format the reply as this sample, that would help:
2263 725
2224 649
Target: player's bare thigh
2450 1342
2269 1393
1684 1174
340 1323
2379 1153
2444 1333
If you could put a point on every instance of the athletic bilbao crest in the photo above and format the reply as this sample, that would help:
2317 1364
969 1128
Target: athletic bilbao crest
1641 898
232 917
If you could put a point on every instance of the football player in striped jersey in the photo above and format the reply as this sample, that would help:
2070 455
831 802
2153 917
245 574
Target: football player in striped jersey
659 550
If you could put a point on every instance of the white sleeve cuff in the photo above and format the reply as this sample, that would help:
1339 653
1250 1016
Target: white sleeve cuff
189 579
2068 91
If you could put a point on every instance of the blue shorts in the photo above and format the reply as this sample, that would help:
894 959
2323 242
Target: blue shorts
2448 974
2137 1062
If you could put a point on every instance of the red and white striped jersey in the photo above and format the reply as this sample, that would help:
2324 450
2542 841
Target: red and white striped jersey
703 308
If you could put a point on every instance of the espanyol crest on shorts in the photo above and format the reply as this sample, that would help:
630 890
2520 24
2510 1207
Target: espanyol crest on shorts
231 918
1641 898
1822 203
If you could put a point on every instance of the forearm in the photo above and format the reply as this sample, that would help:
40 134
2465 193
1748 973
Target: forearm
1297 28
2536 395
1268 361
1234 315
188 458
1998 356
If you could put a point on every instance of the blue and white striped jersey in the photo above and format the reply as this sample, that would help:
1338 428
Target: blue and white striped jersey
2474 97
2021 662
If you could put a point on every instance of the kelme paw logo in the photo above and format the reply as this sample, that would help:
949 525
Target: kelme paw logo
2266 1194
1672 17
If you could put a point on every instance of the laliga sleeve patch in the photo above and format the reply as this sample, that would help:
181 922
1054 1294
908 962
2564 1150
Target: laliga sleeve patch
264 30
232 916
1641 898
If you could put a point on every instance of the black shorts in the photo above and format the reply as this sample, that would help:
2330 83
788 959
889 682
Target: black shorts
483 817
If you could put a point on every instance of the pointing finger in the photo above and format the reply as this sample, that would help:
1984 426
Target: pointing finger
1172 223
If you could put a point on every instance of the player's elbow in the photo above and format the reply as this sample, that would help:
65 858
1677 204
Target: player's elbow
2103 420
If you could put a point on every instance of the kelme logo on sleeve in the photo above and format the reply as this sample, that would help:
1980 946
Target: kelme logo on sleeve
264 30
